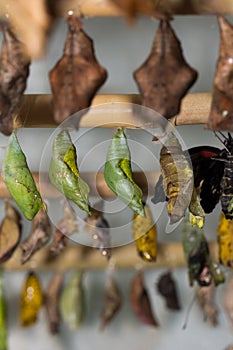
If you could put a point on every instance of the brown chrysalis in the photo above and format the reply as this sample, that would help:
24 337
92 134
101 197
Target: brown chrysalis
52 295
38 237
14 71
140 301
77 76
65 227
165 77
112 302
205 297
221 112
10 232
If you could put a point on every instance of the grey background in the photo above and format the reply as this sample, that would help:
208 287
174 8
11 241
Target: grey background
121 49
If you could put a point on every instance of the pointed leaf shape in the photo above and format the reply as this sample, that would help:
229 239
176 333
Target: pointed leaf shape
19 180
64 173
118 173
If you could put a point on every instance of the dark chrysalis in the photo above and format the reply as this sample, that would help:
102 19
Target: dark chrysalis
14 71
77 76
166 286
165 77
221 113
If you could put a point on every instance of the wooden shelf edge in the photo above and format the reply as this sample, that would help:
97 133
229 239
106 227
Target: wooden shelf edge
96 182
76 256
36 111
105 8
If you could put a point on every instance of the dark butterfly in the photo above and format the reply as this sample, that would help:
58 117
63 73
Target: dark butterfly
213 174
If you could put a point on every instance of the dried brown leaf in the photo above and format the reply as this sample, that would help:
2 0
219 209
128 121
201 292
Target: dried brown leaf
39 236
140 301
112 302
14 70
10 232
66 226
221 113
52 295
77 76
165 77
205 297
166 286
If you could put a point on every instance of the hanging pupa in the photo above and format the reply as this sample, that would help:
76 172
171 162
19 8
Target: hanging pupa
145 235
196 252
64 172
65 227
140 301
166 286
225 241
72 301
228 300
205 297
10 232
51 300
196 212
39 236
31 300
19 180
112 300
165 77
176 179
3 311
14 72
77 76
98 226
221 112
118 173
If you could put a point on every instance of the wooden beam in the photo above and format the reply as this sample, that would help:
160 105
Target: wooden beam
96 182
36 111
76 256
103 8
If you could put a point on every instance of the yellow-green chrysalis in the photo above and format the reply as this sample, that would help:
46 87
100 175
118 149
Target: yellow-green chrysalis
64 173
118 173
19 180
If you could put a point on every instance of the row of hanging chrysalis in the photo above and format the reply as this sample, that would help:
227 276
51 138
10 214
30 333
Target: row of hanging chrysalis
68 302
153 83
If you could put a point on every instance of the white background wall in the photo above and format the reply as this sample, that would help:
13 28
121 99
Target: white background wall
121 49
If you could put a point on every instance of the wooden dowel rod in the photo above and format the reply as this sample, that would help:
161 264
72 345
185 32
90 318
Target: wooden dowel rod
75 256
104 8
96 181
36 111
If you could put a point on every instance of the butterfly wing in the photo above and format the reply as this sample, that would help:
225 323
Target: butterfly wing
208 169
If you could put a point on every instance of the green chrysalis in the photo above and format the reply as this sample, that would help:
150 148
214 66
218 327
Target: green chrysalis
72 303
118 173
3 326
19 180
64 173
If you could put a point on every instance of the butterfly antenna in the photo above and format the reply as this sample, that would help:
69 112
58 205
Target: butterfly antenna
223 141
188 311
